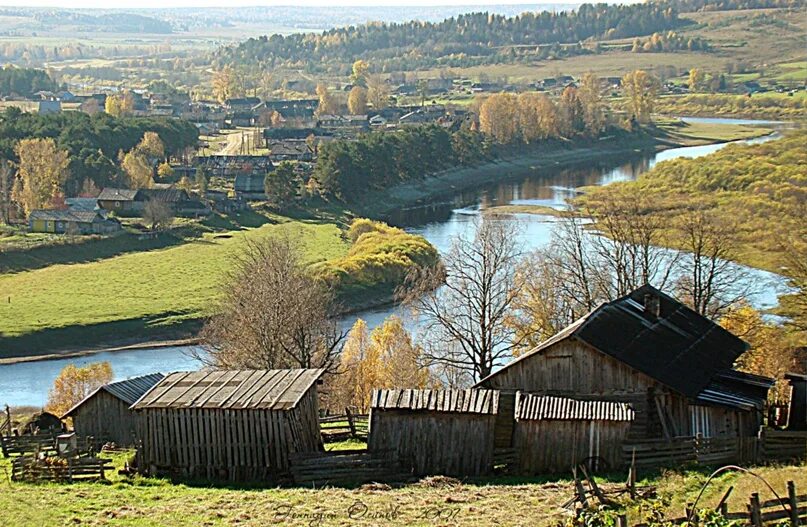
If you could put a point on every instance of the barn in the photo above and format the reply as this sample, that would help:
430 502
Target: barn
105 415
240 425
555 434
447 432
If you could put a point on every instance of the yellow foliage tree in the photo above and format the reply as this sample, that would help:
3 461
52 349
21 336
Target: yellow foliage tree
151 146
165 171
591 98
138 170
770 354
357 101
119 105
360 70
74 384
43 170
641 91
327 102
378 92
226 84
498 117
385 358
696 79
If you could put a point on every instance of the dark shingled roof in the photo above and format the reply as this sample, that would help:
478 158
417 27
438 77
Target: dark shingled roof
678 348
231 389
77 216
543 407
472 401
128 390
117 194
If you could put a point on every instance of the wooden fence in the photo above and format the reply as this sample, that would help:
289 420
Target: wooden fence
5 422
336 428
58 469
770 445
345 467
28 444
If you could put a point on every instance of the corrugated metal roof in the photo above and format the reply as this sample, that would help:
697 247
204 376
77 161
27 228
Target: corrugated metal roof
231 389
473 401
544 407
127 390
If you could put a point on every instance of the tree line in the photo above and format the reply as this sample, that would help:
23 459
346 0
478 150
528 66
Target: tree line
24 82
391 45
92 144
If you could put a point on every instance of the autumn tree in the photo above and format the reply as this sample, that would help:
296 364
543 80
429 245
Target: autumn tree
359 73
225 84
327 102
165 171
357 101
771 352
464 306
697 80
385 358
378 92
139 172
151 146
498 117
42 172
591 100
119 105
157 214
641 90
75 383
201 180
272 313
570 110
537 117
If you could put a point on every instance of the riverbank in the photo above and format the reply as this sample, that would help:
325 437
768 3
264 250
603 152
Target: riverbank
557 156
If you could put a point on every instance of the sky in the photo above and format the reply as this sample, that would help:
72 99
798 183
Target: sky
106 4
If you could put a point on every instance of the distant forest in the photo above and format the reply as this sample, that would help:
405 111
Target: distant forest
24 82
106 22
688 6
477 38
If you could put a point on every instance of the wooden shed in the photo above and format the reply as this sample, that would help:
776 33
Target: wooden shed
448 432
555 434
105 415
672 365
239 425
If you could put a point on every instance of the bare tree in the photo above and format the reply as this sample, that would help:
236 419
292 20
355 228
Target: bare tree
273 314
157 214
465 303
709 281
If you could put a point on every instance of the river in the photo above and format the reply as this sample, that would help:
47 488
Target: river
27 383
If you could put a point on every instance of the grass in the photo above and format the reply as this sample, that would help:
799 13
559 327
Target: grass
119 295
432 501
705 133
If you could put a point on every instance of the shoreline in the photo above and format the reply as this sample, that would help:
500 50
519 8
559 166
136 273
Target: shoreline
418 194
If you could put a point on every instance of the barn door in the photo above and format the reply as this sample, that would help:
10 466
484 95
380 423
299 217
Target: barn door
505 420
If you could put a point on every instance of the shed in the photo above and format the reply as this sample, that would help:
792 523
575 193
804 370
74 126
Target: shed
105 415
71 222
554 434
671 364
797 416
447 432
239 425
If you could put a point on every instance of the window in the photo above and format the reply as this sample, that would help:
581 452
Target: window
700 419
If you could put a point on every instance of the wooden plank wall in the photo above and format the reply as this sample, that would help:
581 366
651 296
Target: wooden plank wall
559 445
105 418
431 443
234 444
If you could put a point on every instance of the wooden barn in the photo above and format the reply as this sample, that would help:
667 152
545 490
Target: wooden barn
672 365
104 414
555 434
447 432
239 425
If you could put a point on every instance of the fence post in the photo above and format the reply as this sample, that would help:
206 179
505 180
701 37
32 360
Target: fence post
622 520
754 510
351 423
632 475
794 505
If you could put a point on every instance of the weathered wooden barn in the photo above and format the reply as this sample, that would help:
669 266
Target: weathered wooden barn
104 414
555 434
229 424
436 431
672 365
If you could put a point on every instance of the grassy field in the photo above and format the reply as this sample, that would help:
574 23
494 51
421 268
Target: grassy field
704 133
431 501
101 295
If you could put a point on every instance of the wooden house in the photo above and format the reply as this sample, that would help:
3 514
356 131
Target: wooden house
672 365
71 222
436 431
797 414
105 415
229 424
554 434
